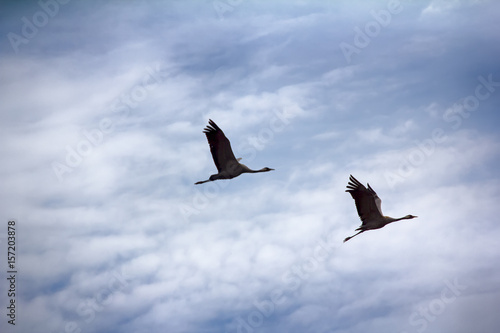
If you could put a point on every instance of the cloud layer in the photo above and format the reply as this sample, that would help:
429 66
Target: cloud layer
103 111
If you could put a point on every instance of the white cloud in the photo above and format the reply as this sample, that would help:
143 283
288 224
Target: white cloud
126 242
439 6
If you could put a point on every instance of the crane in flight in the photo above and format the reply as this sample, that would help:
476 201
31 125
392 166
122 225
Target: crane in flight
369 208
227 165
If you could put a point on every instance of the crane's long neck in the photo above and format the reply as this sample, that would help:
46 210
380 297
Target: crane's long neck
389 219
256 171
244 168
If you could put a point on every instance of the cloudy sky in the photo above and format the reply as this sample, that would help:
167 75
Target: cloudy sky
103 104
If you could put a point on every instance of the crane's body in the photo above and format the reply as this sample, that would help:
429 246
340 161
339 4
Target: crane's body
368 205
228 166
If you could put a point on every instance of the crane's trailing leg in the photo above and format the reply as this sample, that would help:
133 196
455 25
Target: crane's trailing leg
345 240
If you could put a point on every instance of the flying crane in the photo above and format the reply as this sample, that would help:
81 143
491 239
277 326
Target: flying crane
227 165
369 208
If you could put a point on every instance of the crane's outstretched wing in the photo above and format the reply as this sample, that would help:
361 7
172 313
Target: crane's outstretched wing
367 201
220 147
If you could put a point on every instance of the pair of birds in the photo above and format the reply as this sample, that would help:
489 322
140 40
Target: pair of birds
368 204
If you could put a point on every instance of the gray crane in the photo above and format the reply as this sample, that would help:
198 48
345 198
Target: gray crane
369 208
227 165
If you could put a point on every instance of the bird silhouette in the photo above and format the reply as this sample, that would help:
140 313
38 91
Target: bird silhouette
227 165
369 208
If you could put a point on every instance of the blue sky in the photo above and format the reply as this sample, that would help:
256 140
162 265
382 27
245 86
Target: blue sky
103 107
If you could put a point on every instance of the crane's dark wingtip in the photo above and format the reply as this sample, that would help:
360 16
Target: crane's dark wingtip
212 126
209 129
